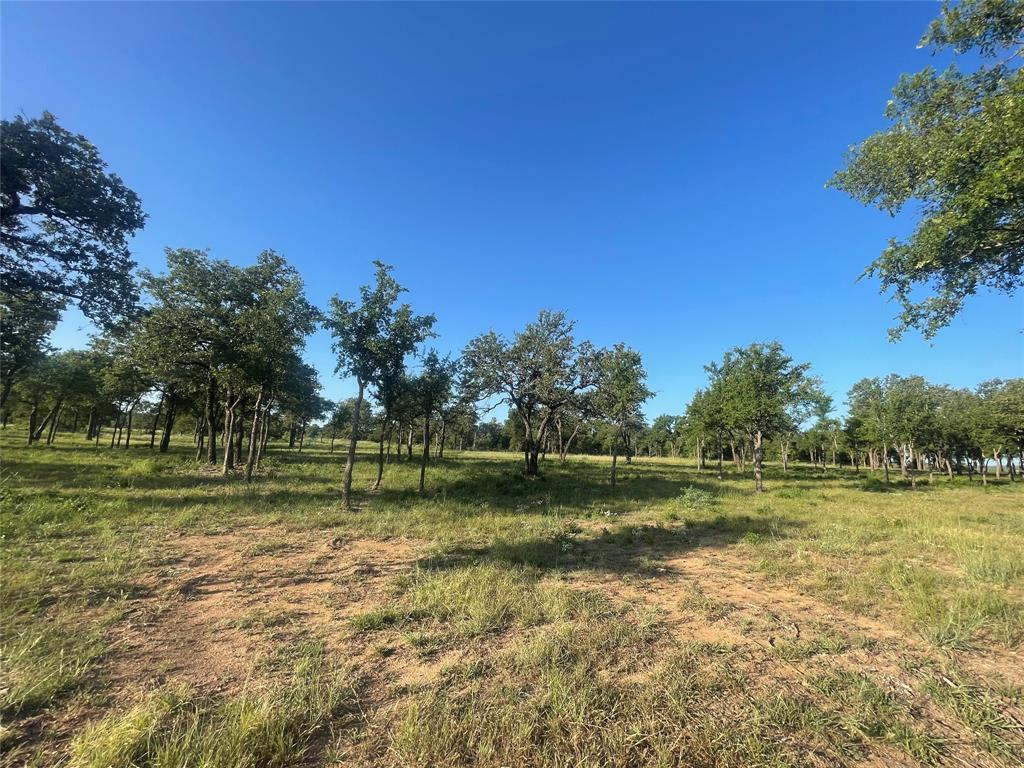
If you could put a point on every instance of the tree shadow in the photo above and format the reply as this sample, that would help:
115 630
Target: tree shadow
643 549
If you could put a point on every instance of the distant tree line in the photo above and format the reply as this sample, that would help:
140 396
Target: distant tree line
215 350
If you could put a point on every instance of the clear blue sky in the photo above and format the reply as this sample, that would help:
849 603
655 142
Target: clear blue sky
655 170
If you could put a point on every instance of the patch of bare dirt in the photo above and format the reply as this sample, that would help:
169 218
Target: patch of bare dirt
215 605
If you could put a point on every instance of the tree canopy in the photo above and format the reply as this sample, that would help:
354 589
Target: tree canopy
65 221
955 148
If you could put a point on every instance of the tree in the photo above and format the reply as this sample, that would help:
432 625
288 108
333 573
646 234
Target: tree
405 332
188 325
911 404
272 326
343 420
706 418
764 393
955 147
539 372
366 337
664 432
431 390
26 323
621 392
64 221
1001 417
866 403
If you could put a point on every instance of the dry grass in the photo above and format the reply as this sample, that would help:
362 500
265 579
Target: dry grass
158 615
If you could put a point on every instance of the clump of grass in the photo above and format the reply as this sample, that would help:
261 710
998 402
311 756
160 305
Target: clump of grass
267 547
554 707
867 710
709 607
261 618
824 644
139 469
40 666
956 693
945 622
697 499
986 563
481 598
175 726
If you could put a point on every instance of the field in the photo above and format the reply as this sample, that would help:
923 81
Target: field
157 614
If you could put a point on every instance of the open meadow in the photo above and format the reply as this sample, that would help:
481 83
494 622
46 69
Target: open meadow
156 613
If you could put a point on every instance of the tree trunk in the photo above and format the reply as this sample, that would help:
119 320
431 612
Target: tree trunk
229 433
200 443
563 451
350 461
758 462
885 462
156 421
615 461
240 430
441 438
426 451
35 434
117 425
265 436
53 424
131 418
211 421
254 438
165 437
380 453
996 455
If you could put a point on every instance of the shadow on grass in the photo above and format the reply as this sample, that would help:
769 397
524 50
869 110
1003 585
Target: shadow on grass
629 549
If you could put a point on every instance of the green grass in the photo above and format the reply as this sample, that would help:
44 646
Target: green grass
270 725
548 622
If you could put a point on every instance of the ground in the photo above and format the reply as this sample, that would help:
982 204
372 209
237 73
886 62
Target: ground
158 614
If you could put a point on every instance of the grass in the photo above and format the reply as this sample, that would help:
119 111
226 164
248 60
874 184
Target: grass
153 613
260 726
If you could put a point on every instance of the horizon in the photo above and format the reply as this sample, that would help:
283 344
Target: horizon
467 156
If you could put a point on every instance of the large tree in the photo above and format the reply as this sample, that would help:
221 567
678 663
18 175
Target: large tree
65 221
763 393
368 338
538 373
955 149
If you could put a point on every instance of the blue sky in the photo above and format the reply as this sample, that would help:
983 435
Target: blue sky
655 170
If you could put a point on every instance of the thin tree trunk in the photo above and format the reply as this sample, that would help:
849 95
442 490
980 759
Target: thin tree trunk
254 438
131 418
165 437
211 421
53 424
426 451
156 422
350 461
380 453
117 424
229 433
615 462
758 462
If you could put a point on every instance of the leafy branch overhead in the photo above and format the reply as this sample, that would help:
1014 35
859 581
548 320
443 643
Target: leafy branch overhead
955 149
